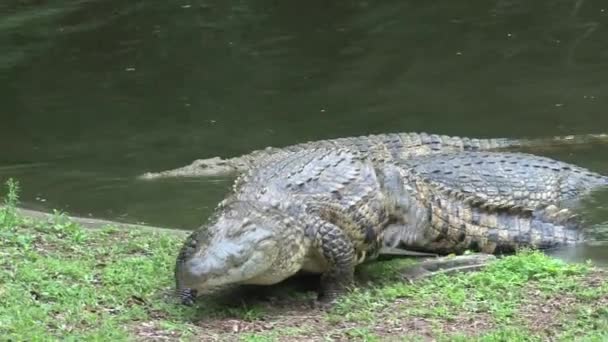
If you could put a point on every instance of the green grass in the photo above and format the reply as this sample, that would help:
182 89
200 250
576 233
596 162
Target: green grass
59 281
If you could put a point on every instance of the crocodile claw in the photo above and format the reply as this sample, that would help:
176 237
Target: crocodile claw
324 302
187 297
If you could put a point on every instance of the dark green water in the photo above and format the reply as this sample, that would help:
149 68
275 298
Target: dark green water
93 93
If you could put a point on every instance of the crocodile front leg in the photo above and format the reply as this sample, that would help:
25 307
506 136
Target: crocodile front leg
339 253
186 296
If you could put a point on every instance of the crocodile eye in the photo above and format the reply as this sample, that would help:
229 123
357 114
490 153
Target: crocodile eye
201 164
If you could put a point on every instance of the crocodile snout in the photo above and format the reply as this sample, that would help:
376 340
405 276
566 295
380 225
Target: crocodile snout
195 273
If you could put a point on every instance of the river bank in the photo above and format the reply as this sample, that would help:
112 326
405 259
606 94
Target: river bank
62 280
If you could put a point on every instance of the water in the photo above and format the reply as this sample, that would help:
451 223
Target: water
94 93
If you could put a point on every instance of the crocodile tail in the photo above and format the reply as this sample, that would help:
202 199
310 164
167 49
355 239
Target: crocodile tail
554 141
440 143
456 226
594 211
597 233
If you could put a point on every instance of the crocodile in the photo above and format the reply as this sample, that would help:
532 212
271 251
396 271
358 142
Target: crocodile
327 210
396 146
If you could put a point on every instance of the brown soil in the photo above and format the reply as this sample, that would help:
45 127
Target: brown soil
545 315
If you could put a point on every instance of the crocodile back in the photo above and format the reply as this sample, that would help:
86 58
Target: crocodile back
391 146
335 185
507 180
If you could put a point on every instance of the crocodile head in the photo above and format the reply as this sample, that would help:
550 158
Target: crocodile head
244 244
199 168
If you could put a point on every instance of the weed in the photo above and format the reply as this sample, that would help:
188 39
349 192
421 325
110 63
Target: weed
8 212
361 334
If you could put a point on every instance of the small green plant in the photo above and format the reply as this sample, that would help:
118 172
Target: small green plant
62 225
8 212
12 197
362 334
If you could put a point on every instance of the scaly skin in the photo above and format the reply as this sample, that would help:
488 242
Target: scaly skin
392 146
319 211
491 202
327 210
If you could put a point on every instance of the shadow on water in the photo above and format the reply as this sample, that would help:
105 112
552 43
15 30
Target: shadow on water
94 93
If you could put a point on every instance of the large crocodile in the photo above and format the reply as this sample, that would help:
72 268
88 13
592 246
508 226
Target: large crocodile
326 210
396 146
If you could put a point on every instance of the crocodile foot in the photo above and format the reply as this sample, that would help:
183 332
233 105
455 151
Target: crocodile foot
187 296
330 291
323 303
447 265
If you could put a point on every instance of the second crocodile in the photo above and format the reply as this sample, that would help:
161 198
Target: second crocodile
390 146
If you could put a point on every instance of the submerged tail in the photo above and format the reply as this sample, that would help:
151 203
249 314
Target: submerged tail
559 140
597 233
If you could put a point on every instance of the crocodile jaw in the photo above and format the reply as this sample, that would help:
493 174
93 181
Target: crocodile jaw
244 261
199 168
